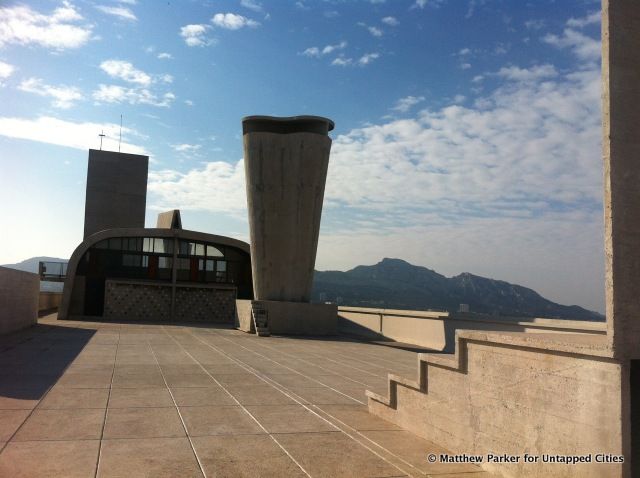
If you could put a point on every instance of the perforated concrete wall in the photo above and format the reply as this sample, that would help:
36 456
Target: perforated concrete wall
126 300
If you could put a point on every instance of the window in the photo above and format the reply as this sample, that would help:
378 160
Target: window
213 251
163 246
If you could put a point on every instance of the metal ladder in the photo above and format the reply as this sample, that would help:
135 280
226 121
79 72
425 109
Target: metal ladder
260 320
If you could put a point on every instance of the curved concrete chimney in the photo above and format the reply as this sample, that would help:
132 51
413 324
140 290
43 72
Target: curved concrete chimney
285 163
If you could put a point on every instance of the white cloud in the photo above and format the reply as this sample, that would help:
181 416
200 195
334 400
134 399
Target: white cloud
362 61
591 19
391 21
342 61
367 58
122 13
196 35
584 47
23 26
375 31
232 21
317 52
6 70
251 5
534 73
405 104
165 56
465 66
134 96
124 70
186 148
218 187
534 24
313 51
63 96
46 129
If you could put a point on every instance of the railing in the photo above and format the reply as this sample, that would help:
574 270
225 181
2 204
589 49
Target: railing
52 271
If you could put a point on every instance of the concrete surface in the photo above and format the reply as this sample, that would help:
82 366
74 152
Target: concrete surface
73 292
436 330
116 191
169 220
299 318
286 164
517 393
19 295
244 320
49 301
106 400
621 153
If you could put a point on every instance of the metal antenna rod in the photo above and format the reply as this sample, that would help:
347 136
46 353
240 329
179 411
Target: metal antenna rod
102 135
120 140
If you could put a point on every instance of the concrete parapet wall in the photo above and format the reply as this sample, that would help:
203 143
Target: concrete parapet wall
49 301
299 318
436 330
515 394
19 293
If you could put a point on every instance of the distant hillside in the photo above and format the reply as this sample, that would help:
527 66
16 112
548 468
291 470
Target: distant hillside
396 284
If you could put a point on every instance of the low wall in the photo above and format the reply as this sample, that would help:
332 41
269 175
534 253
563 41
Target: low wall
436 330
290 318
507 394
49 301
153 301
19 293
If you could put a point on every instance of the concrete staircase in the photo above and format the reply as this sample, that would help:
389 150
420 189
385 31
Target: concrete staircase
513 393
260 320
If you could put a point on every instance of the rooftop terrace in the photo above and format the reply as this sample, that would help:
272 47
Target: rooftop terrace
103 399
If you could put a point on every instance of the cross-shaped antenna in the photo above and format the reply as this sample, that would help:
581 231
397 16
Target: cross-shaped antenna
102 135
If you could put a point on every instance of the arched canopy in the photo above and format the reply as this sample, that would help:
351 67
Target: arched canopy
187 256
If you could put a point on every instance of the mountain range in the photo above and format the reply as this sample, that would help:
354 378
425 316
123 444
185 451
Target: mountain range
396 284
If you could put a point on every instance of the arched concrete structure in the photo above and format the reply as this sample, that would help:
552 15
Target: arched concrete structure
78 253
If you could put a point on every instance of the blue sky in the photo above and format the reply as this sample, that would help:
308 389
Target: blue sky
467 131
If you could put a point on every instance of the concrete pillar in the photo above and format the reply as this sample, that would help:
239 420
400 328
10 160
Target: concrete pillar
621 152
286 163
116 191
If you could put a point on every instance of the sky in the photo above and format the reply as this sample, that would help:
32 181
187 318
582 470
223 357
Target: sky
467 135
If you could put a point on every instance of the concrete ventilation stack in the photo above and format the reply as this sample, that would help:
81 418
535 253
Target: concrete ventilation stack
286 162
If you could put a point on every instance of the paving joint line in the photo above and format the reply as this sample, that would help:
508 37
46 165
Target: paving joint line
175 404
243 407
106 408
289 393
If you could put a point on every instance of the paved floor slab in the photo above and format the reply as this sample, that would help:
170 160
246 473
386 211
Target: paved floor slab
37 459
246 403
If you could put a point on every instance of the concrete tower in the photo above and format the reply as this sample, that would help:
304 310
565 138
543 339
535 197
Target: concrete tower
286 163
116 191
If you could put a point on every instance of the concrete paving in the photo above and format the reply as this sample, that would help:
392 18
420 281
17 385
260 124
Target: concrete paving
102 399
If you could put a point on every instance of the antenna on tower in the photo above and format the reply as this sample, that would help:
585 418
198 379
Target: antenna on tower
102 135
120 140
